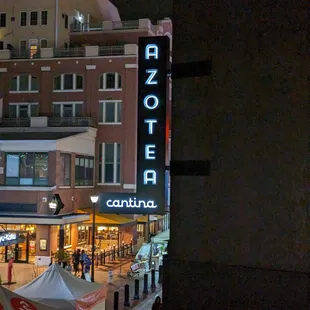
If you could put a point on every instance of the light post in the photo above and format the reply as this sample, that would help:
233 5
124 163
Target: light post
94 200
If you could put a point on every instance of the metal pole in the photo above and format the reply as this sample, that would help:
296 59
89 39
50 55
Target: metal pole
93 245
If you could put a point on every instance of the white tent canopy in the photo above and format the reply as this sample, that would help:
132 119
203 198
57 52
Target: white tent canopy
162 237
58 287
12 301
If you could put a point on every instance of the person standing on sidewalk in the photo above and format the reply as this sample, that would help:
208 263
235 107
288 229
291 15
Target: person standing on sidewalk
82 259
157 305
76 261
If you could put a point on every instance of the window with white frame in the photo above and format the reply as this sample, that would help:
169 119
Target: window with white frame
68 109
23 19
110 163
44 18
33 18
68 82
23 109
24 83
22 45
110 81
43 43
2 20
110 112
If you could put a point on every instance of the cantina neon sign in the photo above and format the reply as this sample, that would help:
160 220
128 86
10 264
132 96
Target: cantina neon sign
151 147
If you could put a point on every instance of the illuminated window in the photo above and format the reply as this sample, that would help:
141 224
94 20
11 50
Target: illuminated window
29 169
110 81
110 163
68 82
110 111
24 83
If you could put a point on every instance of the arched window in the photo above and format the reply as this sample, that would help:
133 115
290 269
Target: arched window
68 82
24 83
110 81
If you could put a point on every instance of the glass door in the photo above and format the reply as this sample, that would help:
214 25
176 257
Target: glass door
22 250
33 47
19 251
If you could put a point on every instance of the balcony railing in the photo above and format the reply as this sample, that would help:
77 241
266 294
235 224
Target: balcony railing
85 27
129 24
117 25
50 122
69 52
15 122
111 50
86 51
71 122
24 54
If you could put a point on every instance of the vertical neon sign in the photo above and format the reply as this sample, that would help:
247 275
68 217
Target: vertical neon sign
151 144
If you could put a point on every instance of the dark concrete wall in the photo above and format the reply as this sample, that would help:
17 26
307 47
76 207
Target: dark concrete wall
250 119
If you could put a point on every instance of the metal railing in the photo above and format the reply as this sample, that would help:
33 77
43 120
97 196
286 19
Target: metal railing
24 54
116 25
111 50
105 257
86 27
129 24
15 122
69 52
71 122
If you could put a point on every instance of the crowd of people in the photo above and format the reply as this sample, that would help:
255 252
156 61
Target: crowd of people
79 263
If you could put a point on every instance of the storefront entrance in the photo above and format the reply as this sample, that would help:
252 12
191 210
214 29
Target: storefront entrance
19 250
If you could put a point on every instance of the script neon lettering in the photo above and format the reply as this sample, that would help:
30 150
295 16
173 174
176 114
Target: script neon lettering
148 105
131 203
151 50
150 80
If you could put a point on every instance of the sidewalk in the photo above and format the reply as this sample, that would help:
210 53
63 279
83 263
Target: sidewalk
24 273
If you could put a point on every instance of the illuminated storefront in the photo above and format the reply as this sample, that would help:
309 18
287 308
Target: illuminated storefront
38 237
22 247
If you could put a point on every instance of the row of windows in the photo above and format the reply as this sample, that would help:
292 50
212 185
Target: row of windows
31 169
65 82
109 167
110 112
33 18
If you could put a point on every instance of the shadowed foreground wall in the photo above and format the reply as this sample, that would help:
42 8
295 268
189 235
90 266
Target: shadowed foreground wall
250 119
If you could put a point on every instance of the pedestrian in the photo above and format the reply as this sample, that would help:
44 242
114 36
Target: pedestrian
76 261
157 305
10 268
82 259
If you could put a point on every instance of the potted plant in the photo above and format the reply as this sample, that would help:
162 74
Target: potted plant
62 256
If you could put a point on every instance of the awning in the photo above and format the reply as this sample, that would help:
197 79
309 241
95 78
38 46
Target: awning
108 219
144 219
40 219
162 237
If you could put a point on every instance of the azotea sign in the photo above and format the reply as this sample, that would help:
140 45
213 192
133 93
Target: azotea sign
151 146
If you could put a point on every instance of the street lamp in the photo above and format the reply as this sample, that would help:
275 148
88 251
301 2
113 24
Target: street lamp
94 200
